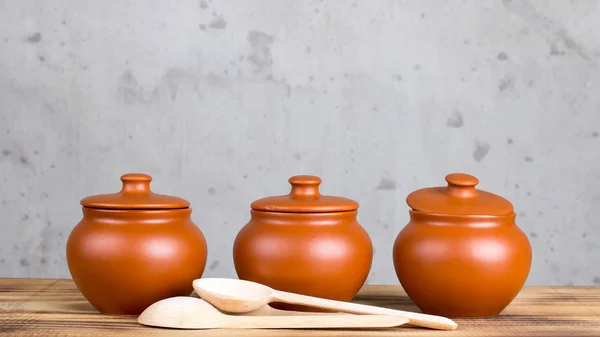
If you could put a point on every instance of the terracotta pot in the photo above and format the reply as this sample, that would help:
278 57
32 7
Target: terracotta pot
134 248
304 243
461 254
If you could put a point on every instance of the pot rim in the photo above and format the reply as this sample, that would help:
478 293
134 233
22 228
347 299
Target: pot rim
302 213
123 210
463 216
136 209
143 215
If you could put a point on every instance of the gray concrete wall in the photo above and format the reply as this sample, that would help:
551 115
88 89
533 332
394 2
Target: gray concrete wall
222 101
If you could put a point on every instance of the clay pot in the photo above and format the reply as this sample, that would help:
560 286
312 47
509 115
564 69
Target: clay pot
304 243
134 248
461 254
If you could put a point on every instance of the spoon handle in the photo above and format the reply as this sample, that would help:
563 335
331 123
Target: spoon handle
269 311
312 322
418 319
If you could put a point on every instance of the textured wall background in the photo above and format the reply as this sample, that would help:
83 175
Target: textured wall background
222 101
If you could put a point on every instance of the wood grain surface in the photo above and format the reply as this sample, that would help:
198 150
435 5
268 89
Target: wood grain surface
51 307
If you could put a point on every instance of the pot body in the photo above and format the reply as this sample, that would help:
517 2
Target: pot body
123 261
462 266
327 255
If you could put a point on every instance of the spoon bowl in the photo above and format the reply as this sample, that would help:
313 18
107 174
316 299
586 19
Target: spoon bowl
234 296
181 312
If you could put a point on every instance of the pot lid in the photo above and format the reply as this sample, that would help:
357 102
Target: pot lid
135 194
459 197
304 197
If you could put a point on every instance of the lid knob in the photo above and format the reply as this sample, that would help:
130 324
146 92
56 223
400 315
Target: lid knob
136 183
461 185
305 186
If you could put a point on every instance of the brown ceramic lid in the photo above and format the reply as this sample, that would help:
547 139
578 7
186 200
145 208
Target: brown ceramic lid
459 197
135 194
304 197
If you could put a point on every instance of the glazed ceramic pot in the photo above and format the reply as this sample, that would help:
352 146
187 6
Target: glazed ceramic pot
134 248
305 243
461 254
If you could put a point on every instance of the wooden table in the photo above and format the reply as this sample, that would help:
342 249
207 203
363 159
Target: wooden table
51 307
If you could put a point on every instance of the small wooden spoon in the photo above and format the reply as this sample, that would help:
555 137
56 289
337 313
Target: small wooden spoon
194 313
232 295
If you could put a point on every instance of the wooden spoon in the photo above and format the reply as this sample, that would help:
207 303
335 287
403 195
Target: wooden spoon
194 313
232 295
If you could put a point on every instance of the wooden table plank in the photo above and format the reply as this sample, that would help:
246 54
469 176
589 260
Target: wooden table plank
53 307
